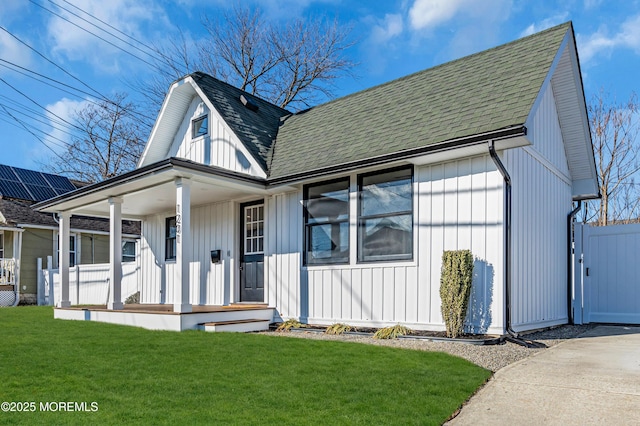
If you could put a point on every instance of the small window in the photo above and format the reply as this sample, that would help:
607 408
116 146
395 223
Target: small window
128 251
385 215
200 126
1 245
170 239
327 222
72 250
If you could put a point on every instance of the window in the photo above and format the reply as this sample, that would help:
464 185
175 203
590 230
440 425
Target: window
72 250
254 229
385 215
170 239
128 251
200 126
327 222
1 245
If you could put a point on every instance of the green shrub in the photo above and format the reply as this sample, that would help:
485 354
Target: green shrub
289 324
392 332
133 299
339 329
455 288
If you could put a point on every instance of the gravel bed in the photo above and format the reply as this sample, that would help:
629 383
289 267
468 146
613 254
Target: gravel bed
491 357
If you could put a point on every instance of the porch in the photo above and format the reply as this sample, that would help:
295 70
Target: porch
8 293
234 317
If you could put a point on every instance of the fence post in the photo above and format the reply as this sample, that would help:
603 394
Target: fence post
77 284
40 282
52 300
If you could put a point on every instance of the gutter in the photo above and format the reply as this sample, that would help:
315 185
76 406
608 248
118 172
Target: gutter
570 218
511 335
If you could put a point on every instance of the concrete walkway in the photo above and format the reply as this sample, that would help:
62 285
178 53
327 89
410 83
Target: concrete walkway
591 380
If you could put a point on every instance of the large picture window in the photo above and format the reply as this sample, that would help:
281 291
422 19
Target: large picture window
385 215
327 222
170 239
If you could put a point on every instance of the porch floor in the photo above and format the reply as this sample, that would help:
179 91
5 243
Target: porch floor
163 317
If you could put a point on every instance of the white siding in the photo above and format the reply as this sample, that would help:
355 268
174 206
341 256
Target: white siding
541 203
459 206
213 227
218 148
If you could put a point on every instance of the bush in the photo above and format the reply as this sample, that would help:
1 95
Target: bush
133 299
455 288
289 324
338 329
392 332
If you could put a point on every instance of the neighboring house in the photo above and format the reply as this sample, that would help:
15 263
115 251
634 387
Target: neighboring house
26 234
341 213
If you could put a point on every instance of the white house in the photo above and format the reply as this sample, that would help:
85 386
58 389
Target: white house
340 213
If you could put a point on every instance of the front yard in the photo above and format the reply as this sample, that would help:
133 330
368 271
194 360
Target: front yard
93 373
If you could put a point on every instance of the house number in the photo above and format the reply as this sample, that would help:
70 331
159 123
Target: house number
178 223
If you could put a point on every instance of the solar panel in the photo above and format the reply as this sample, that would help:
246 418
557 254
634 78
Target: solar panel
6 173
60 183
30 176
31 185
12 189
41 193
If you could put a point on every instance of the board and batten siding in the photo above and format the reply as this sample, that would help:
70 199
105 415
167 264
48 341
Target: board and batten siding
213 227
540 205
217 148
457 205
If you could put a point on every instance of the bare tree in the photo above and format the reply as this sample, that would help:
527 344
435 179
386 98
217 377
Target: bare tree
111 142
292 66
614 131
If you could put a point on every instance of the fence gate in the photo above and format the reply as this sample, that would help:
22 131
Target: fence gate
607 274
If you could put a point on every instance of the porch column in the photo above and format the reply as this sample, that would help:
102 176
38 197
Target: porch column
115 254
63 258
183 246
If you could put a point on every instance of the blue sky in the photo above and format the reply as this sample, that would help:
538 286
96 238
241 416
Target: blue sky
392 38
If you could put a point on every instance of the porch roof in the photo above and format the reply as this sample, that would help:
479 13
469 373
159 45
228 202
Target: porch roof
151 189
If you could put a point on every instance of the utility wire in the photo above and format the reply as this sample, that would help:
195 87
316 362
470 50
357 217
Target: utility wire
100 95
96 35
152 55
34 135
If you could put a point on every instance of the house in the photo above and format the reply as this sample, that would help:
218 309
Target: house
26 234
341 213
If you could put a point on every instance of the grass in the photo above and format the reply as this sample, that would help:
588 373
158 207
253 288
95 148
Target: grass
139 376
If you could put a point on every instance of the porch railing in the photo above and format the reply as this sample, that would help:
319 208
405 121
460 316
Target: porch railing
88 284
7 271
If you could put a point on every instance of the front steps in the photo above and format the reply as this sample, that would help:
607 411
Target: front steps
241 326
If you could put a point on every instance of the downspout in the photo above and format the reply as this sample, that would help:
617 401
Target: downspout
511 335
570 217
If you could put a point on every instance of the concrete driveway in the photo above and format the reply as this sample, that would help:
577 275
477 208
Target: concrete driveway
590 380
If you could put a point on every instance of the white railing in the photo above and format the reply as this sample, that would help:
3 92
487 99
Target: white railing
88 284
7 271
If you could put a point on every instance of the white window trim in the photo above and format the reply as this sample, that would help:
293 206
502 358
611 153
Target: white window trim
78 239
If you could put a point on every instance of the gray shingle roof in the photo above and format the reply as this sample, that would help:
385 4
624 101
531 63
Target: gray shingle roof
256 129
488 91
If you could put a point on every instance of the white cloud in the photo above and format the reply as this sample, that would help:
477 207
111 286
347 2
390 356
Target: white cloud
13 51
57 113
391 26
76 44
545 23
427 14
602 42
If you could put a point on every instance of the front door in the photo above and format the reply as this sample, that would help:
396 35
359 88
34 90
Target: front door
252 252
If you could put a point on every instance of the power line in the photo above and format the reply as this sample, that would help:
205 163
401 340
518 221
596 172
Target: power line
94 34
100 95
33 134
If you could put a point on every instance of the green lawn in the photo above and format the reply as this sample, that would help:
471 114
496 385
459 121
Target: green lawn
151 377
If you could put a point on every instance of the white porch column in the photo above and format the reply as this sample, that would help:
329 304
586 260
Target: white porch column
115 253
63 257
181 301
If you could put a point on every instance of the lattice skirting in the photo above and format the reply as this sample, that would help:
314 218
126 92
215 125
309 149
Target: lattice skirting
7 298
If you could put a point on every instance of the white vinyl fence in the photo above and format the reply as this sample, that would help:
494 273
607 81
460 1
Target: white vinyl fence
88 284
607 274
